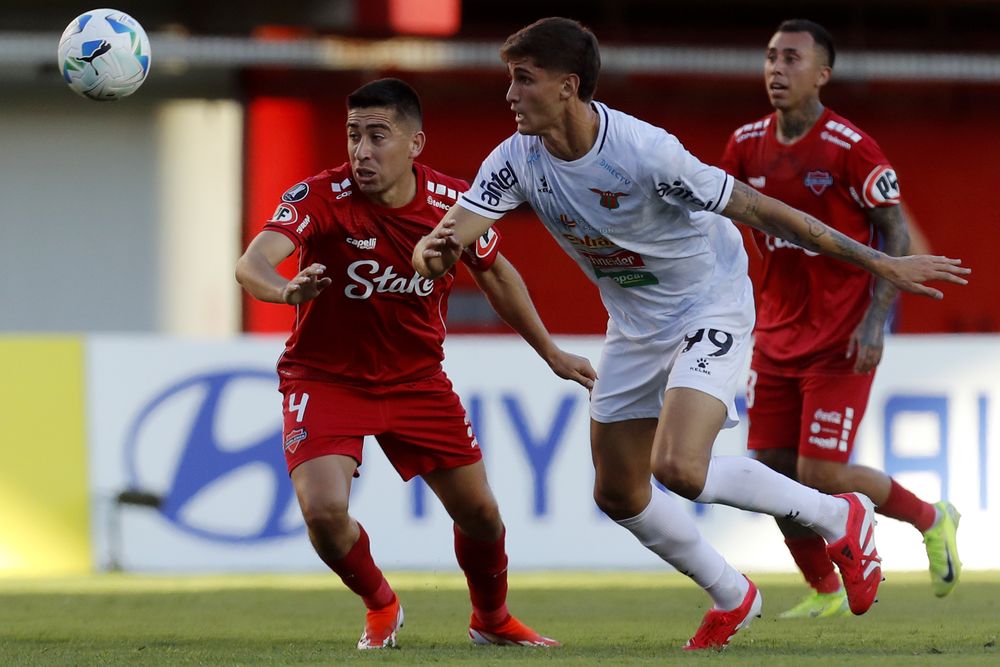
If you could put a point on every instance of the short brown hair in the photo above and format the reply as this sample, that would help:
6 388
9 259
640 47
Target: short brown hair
560 45
389 93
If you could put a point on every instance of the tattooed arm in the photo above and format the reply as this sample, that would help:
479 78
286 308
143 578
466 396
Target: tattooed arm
867 339
773 217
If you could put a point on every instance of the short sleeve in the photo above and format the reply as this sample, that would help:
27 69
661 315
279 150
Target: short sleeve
481 255
681 179
731 162
496 189
871 175
294 217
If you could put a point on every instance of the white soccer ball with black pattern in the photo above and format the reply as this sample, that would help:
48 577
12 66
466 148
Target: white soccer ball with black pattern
104 54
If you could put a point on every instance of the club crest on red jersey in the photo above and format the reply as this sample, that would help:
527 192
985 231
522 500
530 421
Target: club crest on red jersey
295 436
818 181
609 200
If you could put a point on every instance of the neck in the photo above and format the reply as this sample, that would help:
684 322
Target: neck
575 134
400 194
794 123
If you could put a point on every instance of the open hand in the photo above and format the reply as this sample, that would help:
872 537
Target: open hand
909 273
306 285
441 243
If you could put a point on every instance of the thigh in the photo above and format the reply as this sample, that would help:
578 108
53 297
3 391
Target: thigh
324 483
322 419
774 410
428 429
832 409
687 429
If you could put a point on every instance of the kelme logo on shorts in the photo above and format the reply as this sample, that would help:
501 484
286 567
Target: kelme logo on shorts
629 278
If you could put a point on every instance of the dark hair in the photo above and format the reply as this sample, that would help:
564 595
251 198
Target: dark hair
391 93
819 34
560 45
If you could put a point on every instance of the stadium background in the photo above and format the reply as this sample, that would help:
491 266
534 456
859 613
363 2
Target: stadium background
121 223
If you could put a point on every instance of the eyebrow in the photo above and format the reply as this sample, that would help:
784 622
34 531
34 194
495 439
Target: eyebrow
370 126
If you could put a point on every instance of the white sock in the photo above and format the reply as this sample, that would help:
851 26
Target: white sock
669 532
748 484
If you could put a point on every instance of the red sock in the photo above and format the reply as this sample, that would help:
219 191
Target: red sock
811 557
362 576
485 567
903 505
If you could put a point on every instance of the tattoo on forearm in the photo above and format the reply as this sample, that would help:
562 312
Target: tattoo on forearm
752 202
891 224
816 228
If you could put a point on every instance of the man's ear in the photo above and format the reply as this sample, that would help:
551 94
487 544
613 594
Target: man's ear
417 143
570 86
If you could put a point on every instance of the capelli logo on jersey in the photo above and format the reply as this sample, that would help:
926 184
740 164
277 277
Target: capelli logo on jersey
363 244
609 200
368 277
499 182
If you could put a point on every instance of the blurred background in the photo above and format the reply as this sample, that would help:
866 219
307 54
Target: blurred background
138 411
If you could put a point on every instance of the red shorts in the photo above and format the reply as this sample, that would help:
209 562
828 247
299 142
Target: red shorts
818 415
421 426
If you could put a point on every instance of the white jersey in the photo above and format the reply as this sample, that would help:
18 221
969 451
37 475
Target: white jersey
639 214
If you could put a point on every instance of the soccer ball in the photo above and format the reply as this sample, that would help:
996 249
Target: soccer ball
104 54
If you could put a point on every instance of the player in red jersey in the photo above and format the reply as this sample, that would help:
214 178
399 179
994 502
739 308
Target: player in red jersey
820 322
365 355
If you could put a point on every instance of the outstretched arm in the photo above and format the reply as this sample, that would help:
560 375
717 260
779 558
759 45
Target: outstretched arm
438 251
508 295
255 271
778 219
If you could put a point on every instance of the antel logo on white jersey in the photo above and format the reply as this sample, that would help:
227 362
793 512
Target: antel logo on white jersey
375 279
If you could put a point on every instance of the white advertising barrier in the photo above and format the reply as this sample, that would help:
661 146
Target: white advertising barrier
195 426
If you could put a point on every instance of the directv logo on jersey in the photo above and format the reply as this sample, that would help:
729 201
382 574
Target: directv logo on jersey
499 182
678 190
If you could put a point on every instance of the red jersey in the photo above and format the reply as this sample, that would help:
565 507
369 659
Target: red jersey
809 304
379 322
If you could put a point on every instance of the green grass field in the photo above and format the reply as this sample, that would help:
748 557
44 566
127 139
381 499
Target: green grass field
600 617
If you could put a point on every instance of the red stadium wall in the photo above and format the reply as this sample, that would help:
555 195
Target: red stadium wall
942 140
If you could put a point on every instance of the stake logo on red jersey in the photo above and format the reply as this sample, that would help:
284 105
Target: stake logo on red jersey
380 322
808 305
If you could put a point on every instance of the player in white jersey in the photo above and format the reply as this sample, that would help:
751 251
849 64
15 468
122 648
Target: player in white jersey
640 215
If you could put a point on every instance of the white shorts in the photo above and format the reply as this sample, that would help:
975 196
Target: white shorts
634 375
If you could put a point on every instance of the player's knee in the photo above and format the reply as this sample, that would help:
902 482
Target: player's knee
480 521
328 519
683 477
618 502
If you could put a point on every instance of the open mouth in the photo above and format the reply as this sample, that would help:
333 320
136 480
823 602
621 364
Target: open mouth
365 173
776 87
